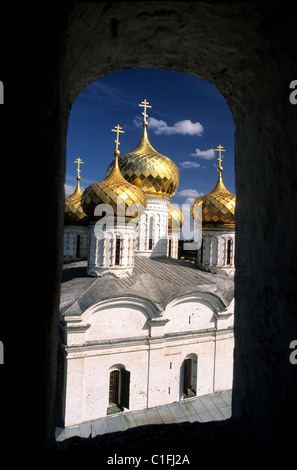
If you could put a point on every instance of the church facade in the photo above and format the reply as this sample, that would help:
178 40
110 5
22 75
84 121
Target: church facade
159 337
217 250
138 327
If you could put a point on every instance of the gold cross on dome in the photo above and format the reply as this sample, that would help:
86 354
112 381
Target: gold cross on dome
220 149
117 129
79 162
145 104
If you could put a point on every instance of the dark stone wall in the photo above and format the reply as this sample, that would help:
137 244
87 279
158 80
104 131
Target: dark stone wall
248 50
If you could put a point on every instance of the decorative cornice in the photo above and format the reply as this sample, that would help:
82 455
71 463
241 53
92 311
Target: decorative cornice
146 341
158 321
76 328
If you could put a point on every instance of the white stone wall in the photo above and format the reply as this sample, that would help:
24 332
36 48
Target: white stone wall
189 316
214 250
166 361
102 250
74 390
223 376
121 322
71 233
174 237
153 224
152 347
96 384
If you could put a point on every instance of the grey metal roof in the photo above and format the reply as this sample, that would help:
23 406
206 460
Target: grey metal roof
158 279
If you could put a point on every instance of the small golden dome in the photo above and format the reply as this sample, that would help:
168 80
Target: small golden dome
108 191
73 211
149 170
176 218
218 206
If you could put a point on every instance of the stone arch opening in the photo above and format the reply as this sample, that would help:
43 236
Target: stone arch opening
247 50
119 389
188 376
110 91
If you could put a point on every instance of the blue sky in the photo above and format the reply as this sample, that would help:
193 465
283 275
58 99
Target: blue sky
188 119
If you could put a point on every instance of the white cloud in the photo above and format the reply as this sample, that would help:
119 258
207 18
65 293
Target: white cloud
69 189
189 165
206 154
189 193
190 200
137 121
186 206
185 127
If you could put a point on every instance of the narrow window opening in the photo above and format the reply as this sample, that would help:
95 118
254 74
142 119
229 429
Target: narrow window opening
77 246
190 376
114 384
119 391
170 248
151 231
229 251
118 250
201 252
187 376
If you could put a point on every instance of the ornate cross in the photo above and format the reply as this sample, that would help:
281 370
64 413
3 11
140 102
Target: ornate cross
220 149
145 104
79 162
117 129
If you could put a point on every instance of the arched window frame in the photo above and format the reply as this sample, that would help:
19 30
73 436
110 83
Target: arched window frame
151 232
170 247
229 250
78 248
189 377
118 250
123 392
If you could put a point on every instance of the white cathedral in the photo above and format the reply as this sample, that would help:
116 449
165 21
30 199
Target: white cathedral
139 327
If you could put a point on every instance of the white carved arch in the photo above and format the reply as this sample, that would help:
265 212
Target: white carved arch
146 306
210 300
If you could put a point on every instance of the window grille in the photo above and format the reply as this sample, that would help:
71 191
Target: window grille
118 251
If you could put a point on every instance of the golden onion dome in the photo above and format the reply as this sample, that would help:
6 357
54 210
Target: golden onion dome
73 211
176 218
218 206
109 190
149 170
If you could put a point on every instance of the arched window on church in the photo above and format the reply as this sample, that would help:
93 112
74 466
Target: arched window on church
169 247
118 250
119 389
151 232
228 251
201 252
189 376
77 246
114 387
